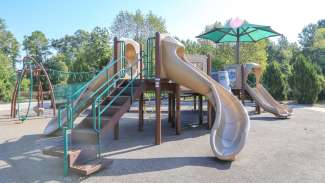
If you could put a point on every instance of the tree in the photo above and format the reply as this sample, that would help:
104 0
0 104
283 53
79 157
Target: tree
7 78
305 81
307 35
9 45
95 54
55 63
37 45
70 45
275 81
137 26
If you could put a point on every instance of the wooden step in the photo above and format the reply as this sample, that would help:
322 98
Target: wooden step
84 136
125 92
136 82
84 153
118 101
58 150
91 166
87 122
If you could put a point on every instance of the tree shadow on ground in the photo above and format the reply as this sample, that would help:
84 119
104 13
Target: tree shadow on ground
22 161
134 166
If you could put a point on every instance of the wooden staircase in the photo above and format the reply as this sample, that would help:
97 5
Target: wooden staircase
82 154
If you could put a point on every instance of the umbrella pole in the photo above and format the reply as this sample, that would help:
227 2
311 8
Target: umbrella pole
237 47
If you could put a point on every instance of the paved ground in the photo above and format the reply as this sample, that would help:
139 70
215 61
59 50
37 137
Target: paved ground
277 151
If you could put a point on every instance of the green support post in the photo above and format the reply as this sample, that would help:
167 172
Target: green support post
66 133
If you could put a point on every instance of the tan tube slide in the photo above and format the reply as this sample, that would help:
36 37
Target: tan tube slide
262 97
229 132
132 50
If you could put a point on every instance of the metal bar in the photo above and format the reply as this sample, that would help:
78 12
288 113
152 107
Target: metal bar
237 46
66 133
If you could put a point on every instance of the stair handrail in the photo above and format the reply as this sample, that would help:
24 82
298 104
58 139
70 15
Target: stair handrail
97 109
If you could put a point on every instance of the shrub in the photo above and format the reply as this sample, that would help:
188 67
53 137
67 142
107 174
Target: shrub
305 81
7 78
275 81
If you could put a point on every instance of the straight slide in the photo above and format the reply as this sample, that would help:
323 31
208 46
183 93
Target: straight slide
83 101
262 97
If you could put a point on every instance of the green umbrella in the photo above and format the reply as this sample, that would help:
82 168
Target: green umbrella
239 31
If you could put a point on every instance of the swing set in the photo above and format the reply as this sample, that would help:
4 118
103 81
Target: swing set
39 78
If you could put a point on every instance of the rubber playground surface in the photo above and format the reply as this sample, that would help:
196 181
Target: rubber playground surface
291 150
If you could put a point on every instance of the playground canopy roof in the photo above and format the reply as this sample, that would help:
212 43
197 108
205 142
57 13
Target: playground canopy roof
245 33
239 31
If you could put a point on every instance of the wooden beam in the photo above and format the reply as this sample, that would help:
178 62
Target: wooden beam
209 118
173 110
115 54
157 89
141 119
141 98
242 95
257 108
178 109
200 110
117 130
169 108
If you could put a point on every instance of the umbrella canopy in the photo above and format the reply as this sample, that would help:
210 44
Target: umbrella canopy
239 31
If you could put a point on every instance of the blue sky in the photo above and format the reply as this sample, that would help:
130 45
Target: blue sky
184 18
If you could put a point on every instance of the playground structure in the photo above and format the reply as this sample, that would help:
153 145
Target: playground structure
161 67
239 82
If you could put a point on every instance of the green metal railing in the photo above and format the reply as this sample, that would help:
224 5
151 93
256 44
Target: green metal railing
149 58
98 109
71 109
100 95
104 91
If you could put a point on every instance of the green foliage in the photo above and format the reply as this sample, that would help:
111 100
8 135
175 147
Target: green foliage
305 81
282 52
55 63
7 78
71 45
9 45
275 81
137 26
84 51
37 45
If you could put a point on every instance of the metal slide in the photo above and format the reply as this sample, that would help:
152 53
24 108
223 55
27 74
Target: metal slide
262 97
231 124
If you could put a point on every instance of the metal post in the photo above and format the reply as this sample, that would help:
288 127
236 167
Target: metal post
237 46
66 133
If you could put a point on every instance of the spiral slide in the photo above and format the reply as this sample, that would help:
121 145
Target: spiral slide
262 97
231 124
